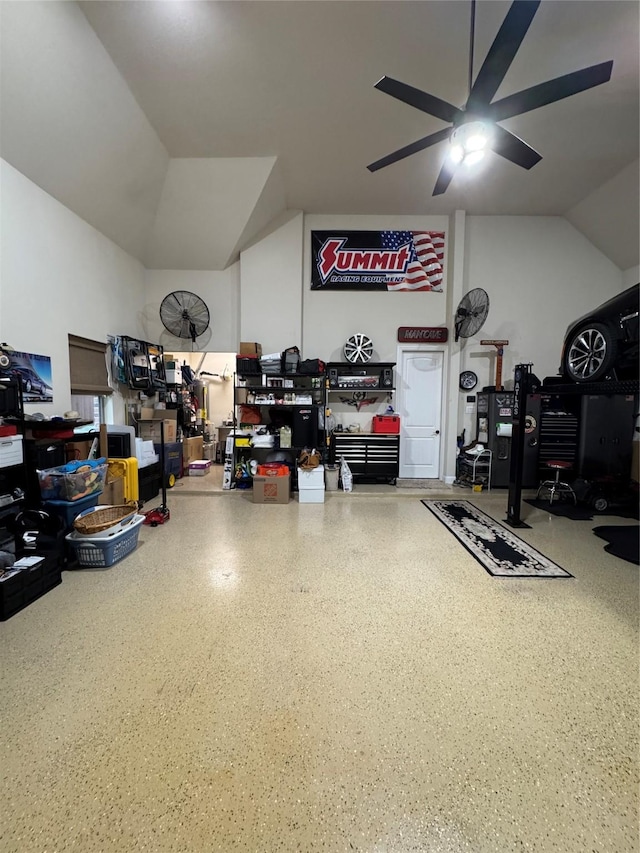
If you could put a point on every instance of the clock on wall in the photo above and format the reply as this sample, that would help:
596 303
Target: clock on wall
468 380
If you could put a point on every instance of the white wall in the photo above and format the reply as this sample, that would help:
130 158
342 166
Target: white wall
59 276
220 292
270 288
610 216
71 123
630 277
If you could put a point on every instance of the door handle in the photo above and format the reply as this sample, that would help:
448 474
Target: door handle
436 432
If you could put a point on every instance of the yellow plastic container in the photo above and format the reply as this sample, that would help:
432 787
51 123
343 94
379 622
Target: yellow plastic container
128 470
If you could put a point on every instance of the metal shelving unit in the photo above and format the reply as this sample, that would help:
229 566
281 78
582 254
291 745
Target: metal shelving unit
475 469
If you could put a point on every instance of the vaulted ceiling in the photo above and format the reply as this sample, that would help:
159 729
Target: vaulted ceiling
180 129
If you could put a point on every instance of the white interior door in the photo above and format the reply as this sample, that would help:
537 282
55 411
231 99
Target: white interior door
419 393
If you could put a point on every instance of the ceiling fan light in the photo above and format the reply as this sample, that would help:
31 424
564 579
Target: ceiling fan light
473 157
456 153
476 141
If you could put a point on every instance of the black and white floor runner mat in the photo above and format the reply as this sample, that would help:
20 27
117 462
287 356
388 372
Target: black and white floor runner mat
501 552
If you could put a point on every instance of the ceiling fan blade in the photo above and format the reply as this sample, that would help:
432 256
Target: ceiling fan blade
551 91
418 99
501 53
420 145
511 147
444 178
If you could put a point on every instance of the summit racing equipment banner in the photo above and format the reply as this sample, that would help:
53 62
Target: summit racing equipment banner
377 260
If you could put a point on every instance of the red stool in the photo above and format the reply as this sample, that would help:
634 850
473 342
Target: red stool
557 487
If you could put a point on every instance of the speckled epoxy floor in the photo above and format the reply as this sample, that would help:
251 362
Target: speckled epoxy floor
336 677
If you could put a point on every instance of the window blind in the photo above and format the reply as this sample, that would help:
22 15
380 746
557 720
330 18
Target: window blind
88 367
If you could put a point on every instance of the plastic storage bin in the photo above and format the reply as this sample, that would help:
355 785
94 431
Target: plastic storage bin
248 365
73 481
105 550
10 450
68 510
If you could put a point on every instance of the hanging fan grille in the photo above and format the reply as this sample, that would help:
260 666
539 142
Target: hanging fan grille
471 313
184 314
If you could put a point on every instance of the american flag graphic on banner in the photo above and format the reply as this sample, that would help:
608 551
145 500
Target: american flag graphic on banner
424 270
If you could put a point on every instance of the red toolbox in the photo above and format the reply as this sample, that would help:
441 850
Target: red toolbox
386 423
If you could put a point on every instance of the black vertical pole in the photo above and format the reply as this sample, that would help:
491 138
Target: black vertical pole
162 464
520 388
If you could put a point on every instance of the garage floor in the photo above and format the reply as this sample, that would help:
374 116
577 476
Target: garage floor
338 677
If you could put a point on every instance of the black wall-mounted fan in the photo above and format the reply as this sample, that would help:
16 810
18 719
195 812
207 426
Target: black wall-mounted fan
479 106
471 313
184 314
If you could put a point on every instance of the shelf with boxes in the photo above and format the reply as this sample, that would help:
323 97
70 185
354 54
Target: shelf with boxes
276 411
32 566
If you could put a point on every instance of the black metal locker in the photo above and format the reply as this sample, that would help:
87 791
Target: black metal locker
605 436
305 427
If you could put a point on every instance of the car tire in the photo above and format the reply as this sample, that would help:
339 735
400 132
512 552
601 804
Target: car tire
600 503
590 353
28 386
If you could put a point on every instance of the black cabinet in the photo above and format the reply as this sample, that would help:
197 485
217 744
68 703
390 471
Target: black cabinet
605 436
18 589
12 468
369 455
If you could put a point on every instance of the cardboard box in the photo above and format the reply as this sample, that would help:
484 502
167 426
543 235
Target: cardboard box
271 490
158 414
77 450
192 449
312 479
199 467
151 430
113 493
250 348
311 496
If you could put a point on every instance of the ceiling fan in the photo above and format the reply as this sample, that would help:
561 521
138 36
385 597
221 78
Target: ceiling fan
475 125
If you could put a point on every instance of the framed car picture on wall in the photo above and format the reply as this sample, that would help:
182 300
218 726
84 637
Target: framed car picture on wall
34 372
